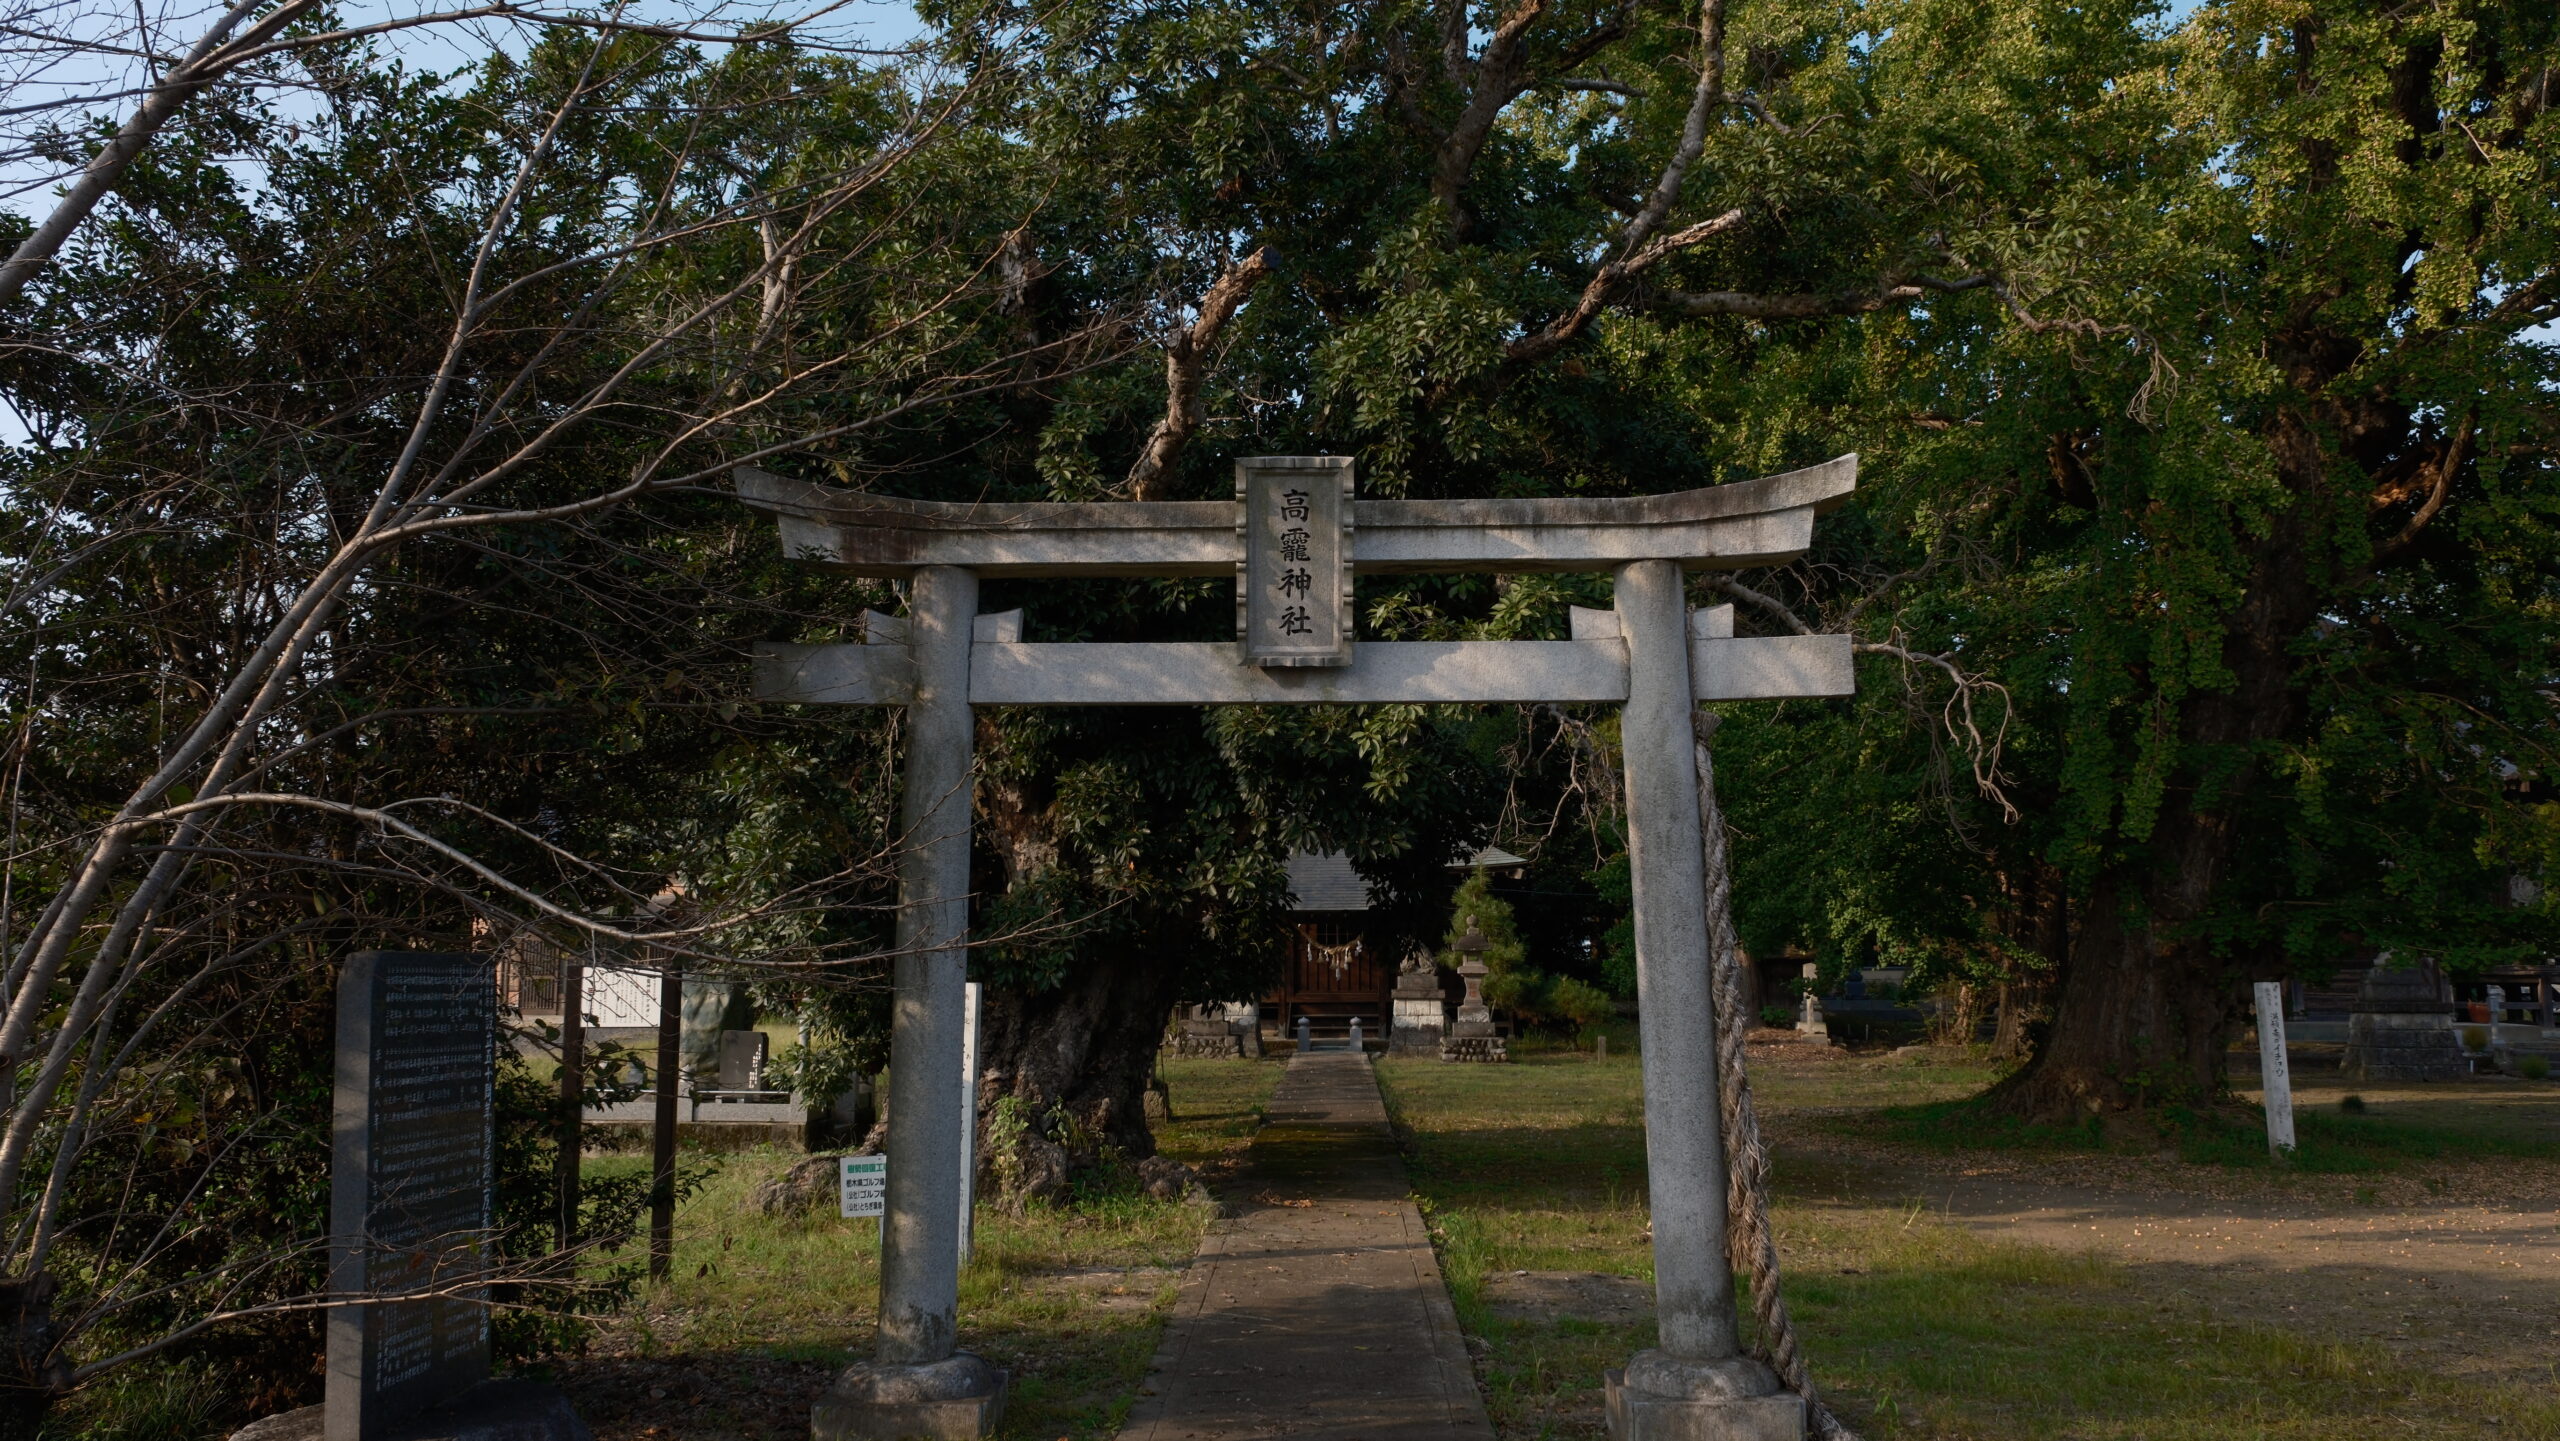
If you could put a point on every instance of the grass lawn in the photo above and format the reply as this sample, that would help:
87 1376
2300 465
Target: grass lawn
1915 1327
1532 1176
1071 1299
760 1311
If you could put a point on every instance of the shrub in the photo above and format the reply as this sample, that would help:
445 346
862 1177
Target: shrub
2534 1068
1580 1003
1533 996
2475 1038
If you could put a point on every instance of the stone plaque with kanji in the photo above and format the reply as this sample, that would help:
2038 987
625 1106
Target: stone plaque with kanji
1293 586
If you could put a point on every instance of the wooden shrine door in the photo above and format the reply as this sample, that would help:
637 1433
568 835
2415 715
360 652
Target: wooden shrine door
1335 974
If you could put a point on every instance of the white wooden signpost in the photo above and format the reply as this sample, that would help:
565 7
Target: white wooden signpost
969 999
2274 1072
1294 537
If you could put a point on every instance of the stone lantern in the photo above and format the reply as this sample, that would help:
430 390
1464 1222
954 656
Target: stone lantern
1473 1037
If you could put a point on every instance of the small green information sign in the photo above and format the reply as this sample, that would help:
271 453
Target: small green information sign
863 1187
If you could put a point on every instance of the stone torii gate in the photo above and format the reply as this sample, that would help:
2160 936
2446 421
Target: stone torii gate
1293 538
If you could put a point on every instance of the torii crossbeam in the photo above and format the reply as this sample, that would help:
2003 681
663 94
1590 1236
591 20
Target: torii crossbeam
1293 538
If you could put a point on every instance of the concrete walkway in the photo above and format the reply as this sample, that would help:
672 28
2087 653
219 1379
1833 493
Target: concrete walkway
1317 1311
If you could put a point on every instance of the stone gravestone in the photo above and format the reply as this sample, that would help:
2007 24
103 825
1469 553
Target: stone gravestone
742 1060
2402 1026
411 1176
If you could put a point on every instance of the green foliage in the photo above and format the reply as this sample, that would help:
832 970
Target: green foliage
554 1311
256 314
1615 882
1007 1123
146 1403
1577 1005
828 1063
2271 698
1512 983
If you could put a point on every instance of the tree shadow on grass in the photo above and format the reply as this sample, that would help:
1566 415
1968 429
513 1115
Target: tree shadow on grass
1528 1167
2232 1136
1075 1365
2006 1343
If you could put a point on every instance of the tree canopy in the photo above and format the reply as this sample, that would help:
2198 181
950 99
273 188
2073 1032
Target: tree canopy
372 579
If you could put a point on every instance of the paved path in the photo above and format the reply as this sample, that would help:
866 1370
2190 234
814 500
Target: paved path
1317 1311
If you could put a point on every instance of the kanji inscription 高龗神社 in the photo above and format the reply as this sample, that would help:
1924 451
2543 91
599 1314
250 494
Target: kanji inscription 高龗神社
1293 538
1293 584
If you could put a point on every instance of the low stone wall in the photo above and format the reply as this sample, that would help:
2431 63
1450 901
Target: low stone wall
2401 1046
712 1136
1209 1045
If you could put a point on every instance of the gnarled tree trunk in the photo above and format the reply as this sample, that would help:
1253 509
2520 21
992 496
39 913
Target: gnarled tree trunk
2138 1018
1063 1074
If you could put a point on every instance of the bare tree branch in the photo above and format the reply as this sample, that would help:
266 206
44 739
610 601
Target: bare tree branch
1639 247
1186 359
1957 715
202 66
2456 451
1794 307
218 54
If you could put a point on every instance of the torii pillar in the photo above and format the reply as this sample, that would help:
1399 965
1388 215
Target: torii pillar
1289 539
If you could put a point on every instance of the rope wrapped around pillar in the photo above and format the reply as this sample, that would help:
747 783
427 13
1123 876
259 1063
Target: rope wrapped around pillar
1749 1239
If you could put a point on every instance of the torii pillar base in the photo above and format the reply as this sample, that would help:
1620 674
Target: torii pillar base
957 1399
1733 1399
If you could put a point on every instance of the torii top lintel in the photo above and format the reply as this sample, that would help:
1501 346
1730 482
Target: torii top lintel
1768 521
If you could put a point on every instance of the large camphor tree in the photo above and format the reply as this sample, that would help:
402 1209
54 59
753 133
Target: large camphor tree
1531 249
2250 519
2204 553
2309 707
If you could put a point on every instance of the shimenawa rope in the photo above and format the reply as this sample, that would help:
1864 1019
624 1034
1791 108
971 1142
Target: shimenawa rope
1749 1241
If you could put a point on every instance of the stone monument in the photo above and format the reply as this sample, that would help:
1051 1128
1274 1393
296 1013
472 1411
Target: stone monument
1810 1024
2402 1026
1420 1014
1473 1038
1288 539
411 1175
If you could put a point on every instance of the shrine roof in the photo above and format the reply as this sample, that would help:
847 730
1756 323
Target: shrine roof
1325 881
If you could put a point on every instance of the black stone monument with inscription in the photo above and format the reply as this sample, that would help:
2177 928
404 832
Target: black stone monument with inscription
411 1175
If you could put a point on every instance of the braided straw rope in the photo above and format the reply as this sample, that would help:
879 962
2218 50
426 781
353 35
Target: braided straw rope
1749 1242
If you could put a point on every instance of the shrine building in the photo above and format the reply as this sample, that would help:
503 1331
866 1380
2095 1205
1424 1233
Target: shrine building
1336 968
